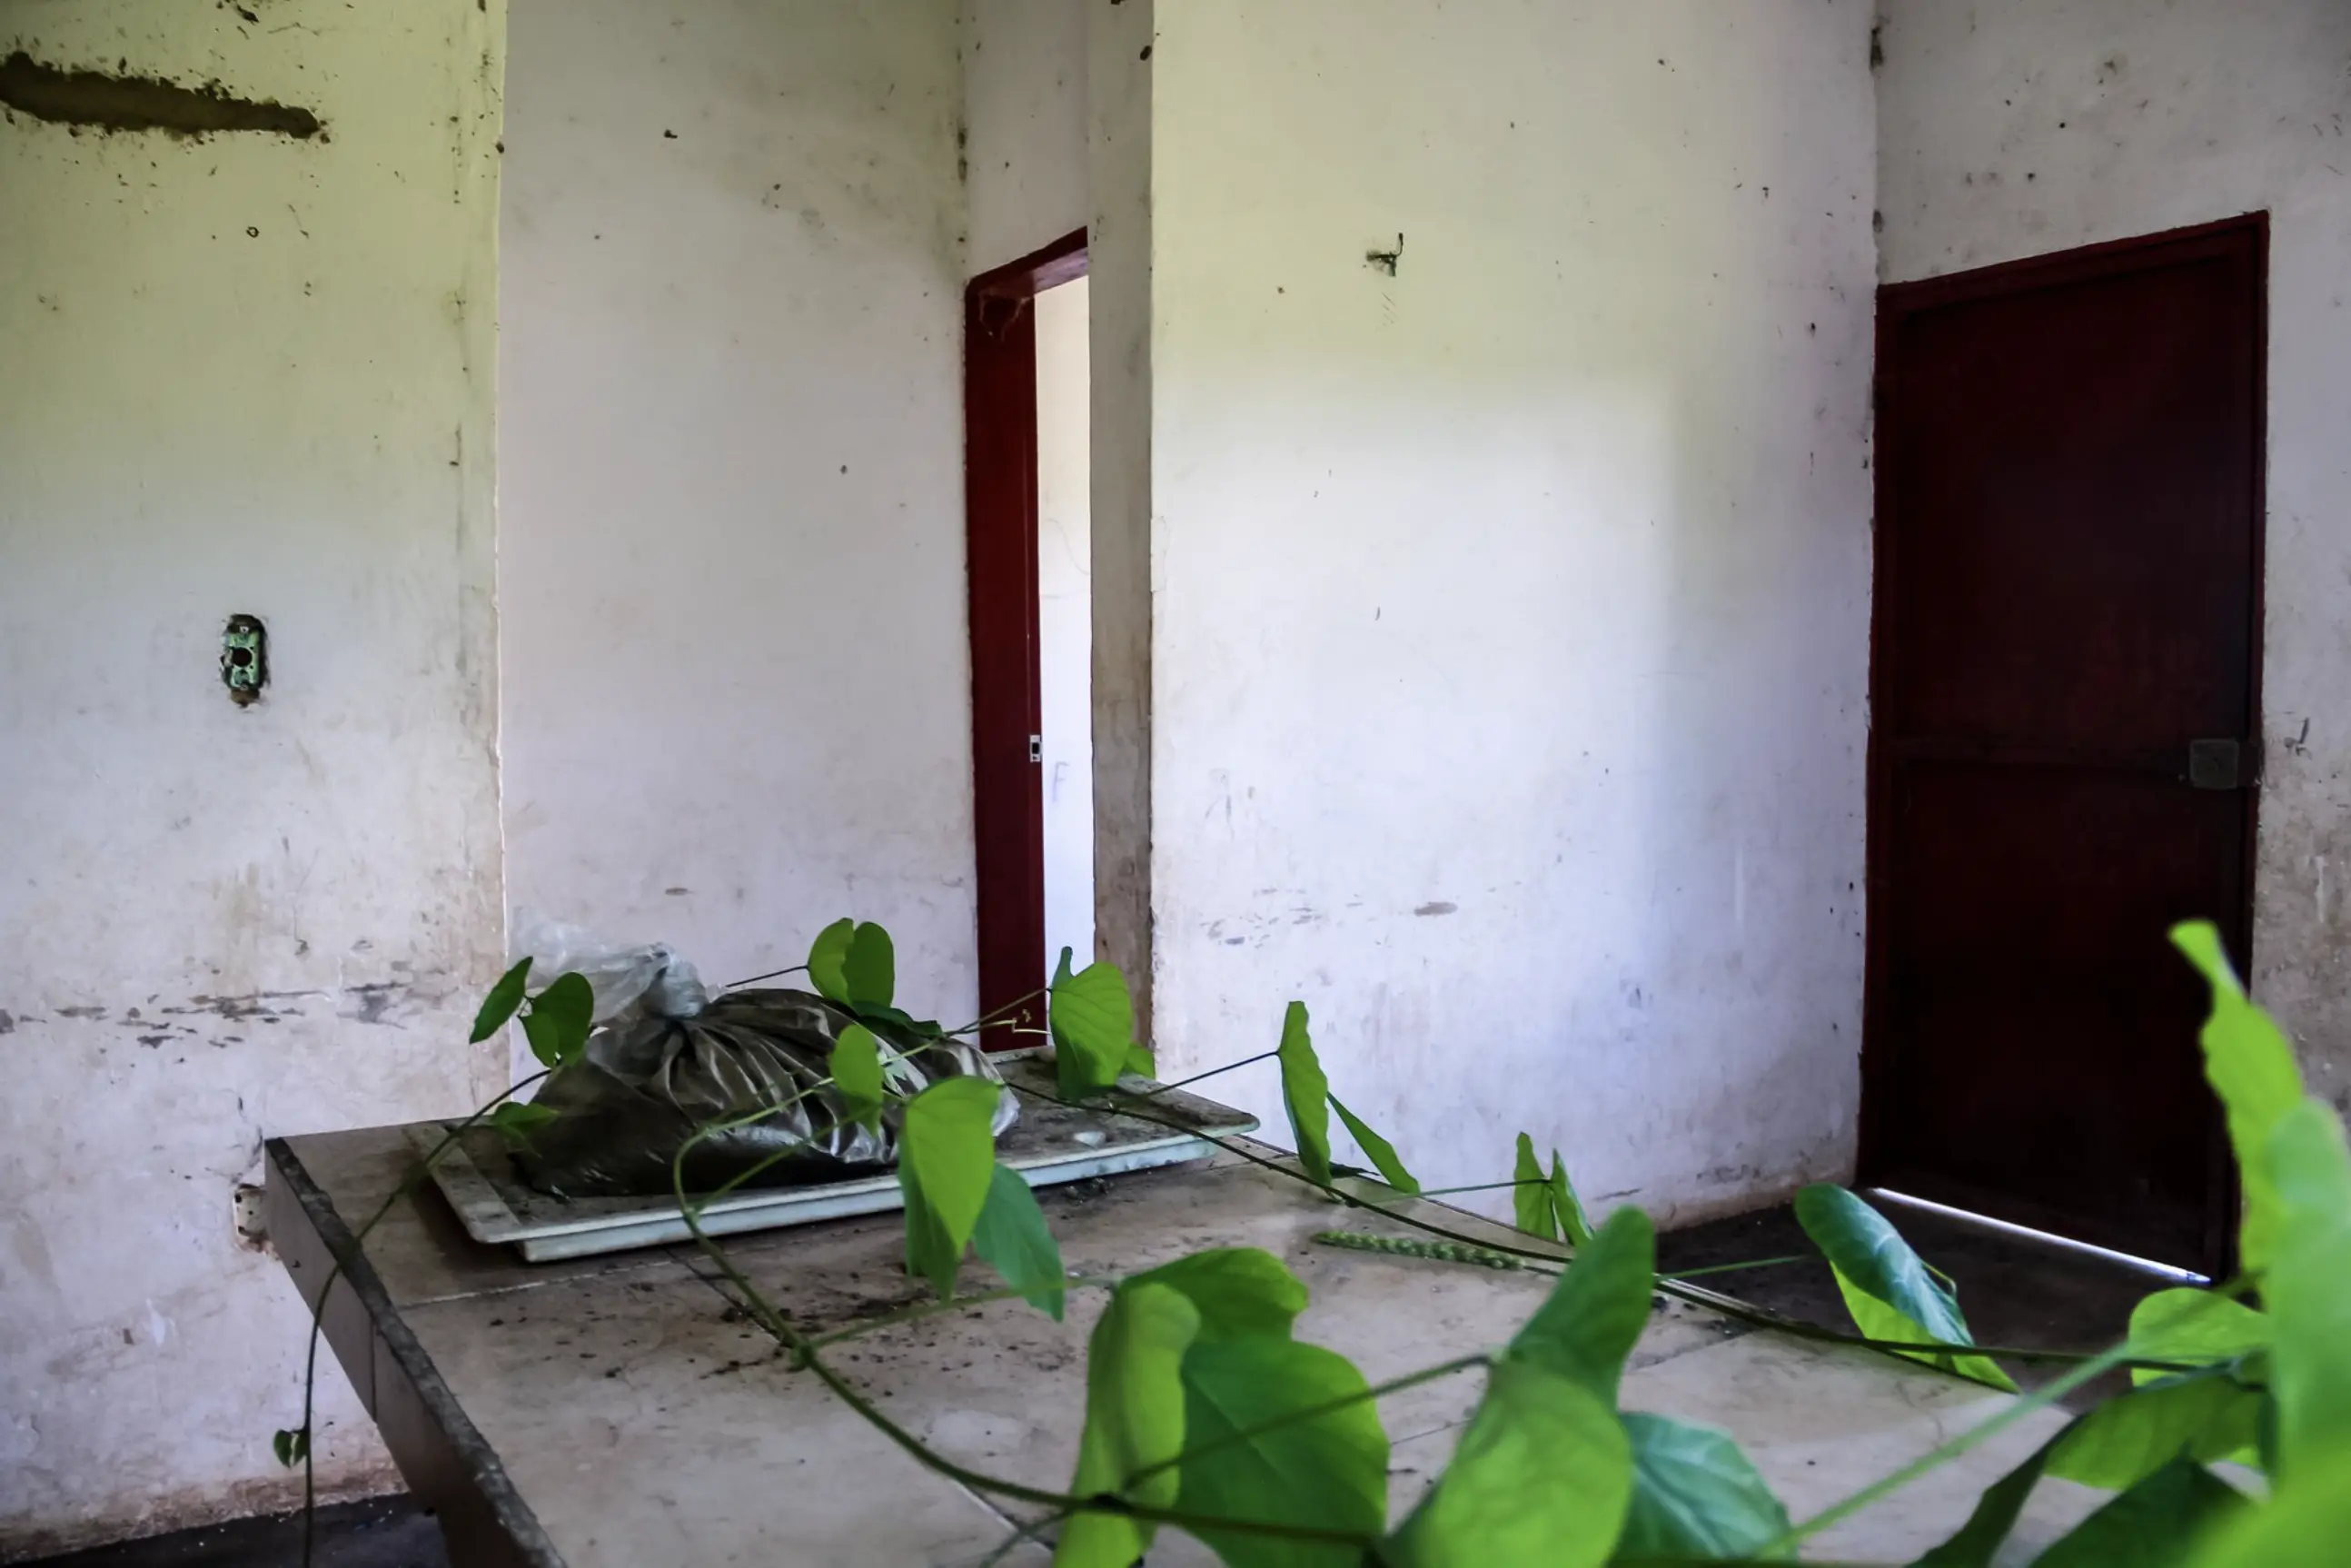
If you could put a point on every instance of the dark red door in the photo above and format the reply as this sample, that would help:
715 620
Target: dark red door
2064 702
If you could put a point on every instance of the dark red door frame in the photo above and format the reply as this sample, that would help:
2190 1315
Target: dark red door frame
1000 533
2246 236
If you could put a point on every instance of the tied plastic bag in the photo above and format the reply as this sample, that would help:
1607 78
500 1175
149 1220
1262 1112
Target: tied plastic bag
668 1059
618 976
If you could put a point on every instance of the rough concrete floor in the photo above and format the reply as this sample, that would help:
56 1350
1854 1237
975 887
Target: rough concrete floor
387 1532
2014 1292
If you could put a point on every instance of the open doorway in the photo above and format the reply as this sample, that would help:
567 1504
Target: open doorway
1028 443
1065 631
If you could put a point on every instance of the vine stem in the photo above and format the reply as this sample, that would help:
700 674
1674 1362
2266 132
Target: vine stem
1021 1534
805 1355
2040 1399
805 1349
770 975
709 1130
805 1352
1734 1268
1010 1007
1477 1186
1695 1295
922 1309
1213 1072
407 1187
1935 1458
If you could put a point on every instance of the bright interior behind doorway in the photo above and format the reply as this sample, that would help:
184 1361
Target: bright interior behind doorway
1065 620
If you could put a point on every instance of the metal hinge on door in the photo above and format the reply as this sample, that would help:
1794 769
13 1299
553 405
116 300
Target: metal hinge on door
1036 749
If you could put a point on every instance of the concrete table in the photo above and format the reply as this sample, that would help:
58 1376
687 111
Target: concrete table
621 1412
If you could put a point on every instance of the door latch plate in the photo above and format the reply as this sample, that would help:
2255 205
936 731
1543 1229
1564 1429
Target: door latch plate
2215 765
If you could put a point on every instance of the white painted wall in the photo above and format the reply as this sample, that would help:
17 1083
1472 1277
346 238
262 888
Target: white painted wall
2012 128
1065 618
1025 120
1509 654
735 666
244 374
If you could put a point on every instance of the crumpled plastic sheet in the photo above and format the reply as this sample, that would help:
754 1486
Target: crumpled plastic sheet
668 1058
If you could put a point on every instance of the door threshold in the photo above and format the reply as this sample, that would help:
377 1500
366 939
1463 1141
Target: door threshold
2168 1271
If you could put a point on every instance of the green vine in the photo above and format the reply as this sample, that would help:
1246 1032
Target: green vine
1208 1337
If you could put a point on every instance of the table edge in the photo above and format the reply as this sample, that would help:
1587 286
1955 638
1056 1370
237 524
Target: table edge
488 1497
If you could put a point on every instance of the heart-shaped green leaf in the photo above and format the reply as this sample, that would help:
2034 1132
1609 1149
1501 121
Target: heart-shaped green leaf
1013 1238
2155 1524
1566 1204
2187 1325
828 960
946 1161
1886 1287
2304 1525
931 1253
1594 1316
2250 1065
856 1064
2124 1440
1979 1540
1532 1196
1378 1150
1695 1496
1541 1479
1305 1094
559 1021
1135 1421
2308 1287
869 970
1093 1023
1329 1472
1240 1293
514 1121
500 1004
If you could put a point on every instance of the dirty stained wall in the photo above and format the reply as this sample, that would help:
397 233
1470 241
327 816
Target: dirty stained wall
262 385
1511 587
1121 118
735 673
1024 125
2012 128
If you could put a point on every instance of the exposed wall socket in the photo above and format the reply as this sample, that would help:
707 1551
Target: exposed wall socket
244 659
251 1225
